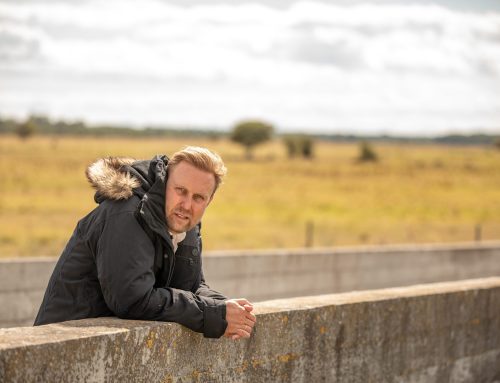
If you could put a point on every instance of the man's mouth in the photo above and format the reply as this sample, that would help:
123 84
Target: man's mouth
181 216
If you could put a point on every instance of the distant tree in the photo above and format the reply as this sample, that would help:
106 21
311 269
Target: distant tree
251 133
26 129
367 153
299 145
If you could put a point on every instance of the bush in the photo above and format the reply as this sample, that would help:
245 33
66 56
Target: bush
299 145
26 129
497 143
307 147
367 153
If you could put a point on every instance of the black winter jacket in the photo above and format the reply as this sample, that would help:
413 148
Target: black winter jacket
120 259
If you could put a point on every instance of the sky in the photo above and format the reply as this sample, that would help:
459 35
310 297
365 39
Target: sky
419 68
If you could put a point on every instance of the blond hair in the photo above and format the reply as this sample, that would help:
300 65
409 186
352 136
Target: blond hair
203 159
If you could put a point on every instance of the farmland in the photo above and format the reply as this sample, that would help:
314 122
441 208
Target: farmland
414 193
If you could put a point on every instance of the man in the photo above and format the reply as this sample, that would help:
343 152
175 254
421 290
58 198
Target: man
138 254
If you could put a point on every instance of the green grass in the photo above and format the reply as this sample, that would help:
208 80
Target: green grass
413 194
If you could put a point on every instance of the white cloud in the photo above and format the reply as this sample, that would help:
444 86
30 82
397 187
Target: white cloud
311 64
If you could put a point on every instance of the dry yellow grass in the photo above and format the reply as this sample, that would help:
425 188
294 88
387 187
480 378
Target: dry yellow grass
414 194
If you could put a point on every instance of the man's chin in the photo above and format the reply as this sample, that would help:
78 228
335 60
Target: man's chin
180 228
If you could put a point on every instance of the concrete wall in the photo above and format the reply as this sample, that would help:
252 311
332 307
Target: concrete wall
434 333
262 275
22 285
291 273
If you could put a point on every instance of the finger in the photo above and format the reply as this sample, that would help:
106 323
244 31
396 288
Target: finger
234 306
235 337
249 322
247 328
230 334
243 301
248 307
242 333
250 316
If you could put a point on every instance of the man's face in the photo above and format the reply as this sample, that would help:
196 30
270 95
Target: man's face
189 191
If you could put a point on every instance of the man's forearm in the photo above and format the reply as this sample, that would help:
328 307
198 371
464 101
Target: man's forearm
205 291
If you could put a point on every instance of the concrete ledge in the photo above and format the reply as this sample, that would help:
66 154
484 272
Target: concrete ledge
445 332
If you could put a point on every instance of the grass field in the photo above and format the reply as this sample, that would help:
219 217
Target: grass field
413 194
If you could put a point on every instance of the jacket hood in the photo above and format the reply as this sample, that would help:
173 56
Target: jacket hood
107 177
118 178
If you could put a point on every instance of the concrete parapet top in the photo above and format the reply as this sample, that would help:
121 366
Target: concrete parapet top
423 333
305 303
86 328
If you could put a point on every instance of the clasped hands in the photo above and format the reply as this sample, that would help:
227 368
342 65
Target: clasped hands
239 317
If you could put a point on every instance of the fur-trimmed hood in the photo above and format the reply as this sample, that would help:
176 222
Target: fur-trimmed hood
109 178
118 178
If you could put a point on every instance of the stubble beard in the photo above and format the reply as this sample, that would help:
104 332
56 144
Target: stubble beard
178 227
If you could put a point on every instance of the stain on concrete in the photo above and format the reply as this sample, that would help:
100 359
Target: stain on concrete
287 357
339 341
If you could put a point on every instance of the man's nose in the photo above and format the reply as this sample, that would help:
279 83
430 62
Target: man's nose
186 203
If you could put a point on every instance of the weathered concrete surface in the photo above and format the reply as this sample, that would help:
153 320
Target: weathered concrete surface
271 274
446 332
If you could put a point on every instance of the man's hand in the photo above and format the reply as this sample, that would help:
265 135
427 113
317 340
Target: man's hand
239 317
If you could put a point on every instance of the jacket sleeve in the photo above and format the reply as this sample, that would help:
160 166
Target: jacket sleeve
124 259
204 290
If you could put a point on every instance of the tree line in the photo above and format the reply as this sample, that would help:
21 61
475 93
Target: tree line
42 125
248 133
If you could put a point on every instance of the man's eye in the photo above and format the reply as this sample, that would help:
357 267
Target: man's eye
199 198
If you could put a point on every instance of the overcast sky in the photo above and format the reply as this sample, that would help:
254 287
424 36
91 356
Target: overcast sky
397 67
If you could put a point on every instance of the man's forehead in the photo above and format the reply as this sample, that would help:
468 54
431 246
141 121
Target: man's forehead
185 174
